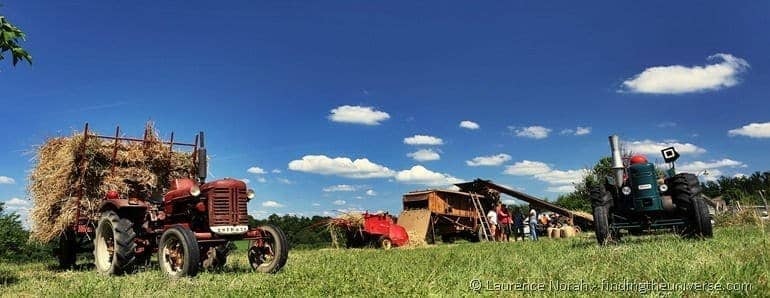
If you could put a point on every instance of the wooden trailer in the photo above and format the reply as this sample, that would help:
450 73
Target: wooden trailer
443 213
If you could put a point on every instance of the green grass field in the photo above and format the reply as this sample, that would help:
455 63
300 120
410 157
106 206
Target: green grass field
737 257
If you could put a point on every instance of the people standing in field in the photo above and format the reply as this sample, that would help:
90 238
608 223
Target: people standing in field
492 219
533 224
504 218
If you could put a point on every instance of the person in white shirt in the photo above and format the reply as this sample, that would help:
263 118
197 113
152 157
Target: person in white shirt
492 219
533 224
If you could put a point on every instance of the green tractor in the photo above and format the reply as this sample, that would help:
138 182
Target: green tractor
637 199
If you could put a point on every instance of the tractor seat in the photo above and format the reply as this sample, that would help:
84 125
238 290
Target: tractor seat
156 197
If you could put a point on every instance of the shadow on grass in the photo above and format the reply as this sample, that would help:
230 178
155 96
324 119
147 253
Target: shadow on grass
630 240
79 267
7 278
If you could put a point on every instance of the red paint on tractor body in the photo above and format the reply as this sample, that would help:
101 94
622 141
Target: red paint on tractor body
383 225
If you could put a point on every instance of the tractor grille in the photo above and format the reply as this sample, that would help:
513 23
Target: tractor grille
227 207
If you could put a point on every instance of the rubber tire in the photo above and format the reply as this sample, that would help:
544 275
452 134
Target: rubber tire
599 196
385 243
67 249
683 188
701 220
190 249
280 249
124 247
601 224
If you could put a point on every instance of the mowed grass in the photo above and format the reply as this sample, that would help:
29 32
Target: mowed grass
736 255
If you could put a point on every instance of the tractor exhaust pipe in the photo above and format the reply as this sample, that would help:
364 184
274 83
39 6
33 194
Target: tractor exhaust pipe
202 160
617 162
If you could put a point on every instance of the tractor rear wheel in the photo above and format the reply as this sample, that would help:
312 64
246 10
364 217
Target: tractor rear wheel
269 254
701 219
385 243
114 247
178 253
67 249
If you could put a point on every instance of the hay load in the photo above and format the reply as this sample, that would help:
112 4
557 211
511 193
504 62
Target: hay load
67 167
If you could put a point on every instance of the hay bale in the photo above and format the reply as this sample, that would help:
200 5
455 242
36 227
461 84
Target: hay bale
56 180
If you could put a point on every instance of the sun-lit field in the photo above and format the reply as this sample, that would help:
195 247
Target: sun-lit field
737 258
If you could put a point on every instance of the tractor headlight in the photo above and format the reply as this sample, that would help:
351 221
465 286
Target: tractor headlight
663 188
626 190
195 191
250 194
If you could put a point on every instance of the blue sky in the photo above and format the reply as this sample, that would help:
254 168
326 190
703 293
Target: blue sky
330 94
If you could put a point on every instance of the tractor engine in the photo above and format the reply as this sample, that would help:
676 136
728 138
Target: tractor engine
226 205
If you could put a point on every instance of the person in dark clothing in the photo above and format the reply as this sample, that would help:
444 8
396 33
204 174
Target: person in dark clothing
518 223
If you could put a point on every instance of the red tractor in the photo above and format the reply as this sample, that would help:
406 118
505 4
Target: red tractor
189 226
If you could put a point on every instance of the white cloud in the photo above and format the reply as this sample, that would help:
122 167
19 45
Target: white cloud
752 130
739 175
358 115
316 205
527 168
17 203
339 202
580 131
562 177
371 193
533 132
340 187
20 207
494 160
423 140
711 167
561 188
276 171
256 170
678 79
261 180
653 147
421 175
284 180
424 155
341 166
558 180
6 180
469 124
271 204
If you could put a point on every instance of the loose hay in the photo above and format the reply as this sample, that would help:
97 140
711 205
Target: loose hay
345 222
56 179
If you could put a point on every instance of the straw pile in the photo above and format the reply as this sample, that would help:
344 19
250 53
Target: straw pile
60 172
340 225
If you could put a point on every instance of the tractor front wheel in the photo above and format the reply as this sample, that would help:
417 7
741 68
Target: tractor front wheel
269 254
385 243
178 253
601 224
601 200
701 219
114 247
